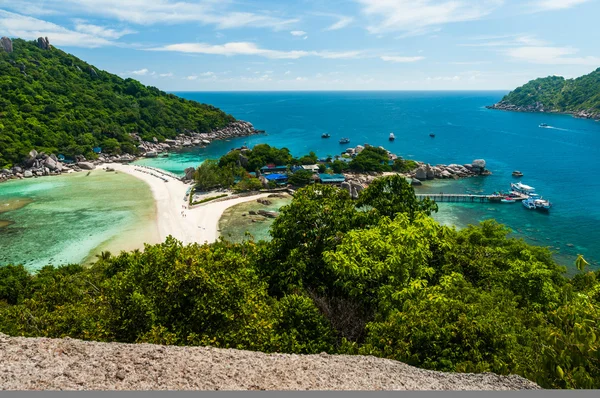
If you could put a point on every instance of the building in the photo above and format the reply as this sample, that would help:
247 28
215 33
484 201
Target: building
332 178
97 149
272 169
311 167
277 178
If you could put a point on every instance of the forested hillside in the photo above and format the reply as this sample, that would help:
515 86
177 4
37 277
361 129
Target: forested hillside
373 276
54 102
580 96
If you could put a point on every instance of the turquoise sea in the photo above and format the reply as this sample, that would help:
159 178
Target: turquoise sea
561 162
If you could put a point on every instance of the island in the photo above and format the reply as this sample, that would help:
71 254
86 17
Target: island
579 97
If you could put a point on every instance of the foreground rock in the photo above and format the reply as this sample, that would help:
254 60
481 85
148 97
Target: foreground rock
66 364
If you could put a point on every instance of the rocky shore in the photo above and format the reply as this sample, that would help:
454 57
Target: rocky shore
236 129
42 164
538 107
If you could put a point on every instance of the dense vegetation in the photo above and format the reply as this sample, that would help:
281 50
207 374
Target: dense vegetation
54 102
560 94
375 276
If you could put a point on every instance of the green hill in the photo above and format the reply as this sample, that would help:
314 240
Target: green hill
580 96
54 102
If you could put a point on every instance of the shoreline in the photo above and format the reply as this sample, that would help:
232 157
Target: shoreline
200 224
516 108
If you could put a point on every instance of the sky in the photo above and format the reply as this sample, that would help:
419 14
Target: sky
224 45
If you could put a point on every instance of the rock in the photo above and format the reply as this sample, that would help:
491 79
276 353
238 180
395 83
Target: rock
264 201
86 165
415 182
50 163
421 173
205 142
480 163
17 169
189 173
43 43
27 174
252 212
6 44
93 72
268 214
429 172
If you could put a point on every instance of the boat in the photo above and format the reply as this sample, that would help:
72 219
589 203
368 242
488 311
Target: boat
529 204
325 135
522 188
543 125
392 137
431 135
507 199
542 204
344 140
517 173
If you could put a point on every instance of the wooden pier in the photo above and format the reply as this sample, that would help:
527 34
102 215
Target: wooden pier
454 197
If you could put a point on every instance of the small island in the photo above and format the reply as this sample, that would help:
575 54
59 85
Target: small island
554 94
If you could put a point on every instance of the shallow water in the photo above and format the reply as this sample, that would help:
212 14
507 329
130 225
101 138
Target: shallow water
70 218
561 162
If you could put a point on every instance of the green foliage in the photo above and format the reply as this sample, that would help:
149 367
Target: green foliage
339 167
404 166
59 105
376 276
210 199
210 176
559 94
311 158
263 154
371 159
248 184
301 178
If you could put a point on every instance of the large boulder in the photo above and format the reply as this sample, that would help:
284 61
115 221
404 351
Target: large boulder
480 163
415 182
86 165
50 163
421 173
6 44
189 173
27 174
43 43
430 173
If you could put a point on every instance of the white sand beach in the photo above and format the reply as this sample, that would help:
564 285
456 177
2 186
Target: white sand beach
199 224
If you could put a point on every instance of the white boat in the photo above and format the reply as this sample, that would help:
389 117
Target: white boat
392 137
522 188
529 204
542 204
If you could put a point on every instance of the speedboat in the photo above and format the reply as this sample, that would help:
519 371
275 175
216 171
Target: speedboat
507 199
529 204
325 135
517 173
543 125
522 188
431 135
392 137
344 140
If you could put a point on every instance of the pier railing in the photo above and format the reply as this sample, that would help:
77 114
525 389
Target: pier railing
454 197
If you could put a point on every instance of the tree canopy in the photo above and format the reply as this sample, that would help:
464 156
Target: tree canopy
54 102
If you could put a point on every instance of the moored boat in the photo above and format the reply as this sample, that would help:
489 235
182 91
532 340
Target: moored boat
507 199
517 173
529 204
392 137
344 140
542 204
522 188
431 135
325 135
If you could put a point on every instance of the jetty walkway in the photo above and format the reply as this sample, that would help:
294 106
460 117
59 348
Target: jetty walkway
454 197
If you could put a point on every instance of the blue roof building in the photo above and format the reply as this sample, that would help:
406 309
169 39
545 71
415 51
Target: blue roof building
277 178
272 169
332 178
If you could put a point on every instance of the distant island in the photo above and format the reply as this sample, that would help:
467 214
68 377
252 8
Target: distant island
55 103
579 97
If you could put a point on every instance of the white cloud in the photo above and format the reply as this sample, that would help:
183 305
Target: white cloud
341 23
397 59
169 74
288 72
418 15
550 5
145 12
30 28
207 74
301 79
551 56
444 78
95 30
246 48
141 72
298 33
192 77
504 41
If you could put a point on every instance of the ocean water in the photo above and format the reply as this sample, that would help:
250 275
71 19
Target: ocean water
70 218
561 162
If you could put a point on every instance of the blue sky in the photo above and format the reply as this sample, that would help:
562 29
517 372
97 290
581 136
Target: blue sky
319 45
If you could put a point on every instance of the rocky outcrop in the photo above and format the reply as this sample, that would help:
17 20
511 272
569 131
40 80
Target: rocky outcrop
189 174
539 107
43 43
69 364
6 44
235 129
268 214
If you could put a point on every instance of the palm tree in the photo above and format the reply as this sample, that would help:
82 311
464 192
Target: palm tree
105 255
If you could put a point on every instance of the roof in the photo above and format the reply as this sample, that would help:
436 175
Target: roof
332 177
272 177
273 168
311 167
